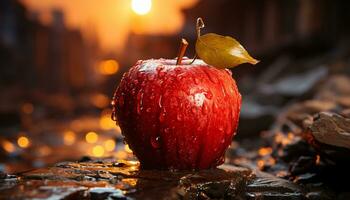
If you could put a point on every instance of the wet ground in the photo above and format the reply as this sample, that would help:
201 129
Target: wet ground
110 179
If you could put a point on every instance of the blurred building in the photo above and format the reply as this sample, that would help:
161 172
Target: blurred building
265 27
269 25
51 57
141 46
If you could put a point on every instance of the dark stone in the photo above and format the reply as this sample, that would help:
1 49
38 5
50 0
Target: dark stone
102 193
295 149
302 165
3 175
85 159
306 178
329 134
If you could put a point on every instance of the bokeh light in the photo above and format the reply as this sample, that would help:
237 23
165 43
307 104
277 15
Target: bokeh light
69 138
106 122
109 145
91 137
8 146
100 100
98 151
108 67
23 142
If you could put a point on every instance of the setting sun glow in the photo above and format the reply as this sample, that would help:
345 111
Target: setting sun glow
112 21
141 7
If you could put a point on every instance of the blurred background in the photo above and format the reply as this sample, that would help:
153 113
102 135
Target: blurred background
62 60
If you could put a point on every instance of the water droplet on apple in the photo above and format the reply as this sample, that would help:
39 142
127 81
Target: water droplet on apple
208 95
223 141
179 117
162 115
114 118
204 109
223 91
196 80
139 102
138 108
166 130
160 101
228 72
113 102
212 78
155 142
179 77
133 91
216 106
148 110
177 70
161 74
150 77
121 101
193 110
228 129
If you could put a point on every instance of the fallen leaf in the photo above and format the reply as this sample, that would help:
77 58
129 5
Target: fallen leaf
222 51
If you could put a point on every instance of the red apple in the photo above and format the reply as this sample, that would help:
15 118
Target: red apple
177 116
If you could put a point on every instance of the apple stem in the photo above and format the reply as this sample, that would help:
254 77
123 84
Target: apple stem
182 50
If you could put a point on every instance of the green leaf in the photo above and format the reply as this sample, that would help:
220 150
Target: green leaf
222 51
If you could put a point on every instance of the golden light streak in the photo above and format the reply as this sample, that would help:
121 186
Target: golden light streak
111 21
91 137
23 142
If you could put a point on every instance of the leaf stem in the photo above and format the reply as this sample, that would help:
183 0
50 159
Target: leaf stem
199 25
182 50
194 58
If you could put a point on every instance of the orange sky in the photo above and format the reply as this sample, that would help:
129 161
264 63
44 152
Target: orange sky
112 20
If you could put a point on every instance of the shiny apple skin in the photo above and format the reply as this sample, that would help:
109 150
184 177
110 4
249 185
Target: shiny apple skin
177 116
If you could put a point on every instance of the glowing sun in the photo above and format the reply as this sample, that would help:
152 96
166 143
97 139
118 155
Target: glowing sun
141 7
